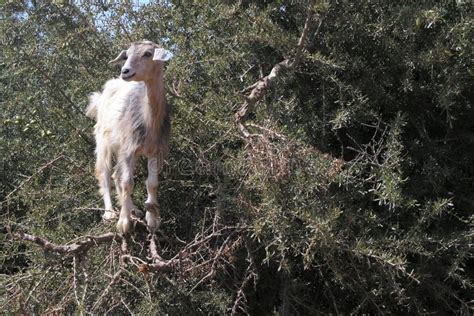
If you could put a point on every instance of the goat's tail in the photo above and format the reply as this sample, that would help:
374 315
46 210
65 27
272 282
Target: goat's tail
93 105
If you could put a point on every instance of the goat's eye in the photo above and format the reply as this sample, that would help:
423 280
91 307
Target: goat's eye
147 54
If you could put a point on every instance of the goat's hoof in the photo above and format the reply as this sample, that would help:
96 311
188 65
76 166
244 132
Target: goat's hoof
153 221
109 215
138 213
123 225
152 217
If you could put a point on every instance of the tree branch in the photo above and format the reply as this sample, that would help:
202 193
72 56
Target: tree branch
154 263
79 247
260 87
239 306
160 264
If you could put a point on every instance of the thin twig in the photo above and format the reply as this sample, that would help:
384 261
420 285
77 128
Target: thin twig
113 281
39 170
74 277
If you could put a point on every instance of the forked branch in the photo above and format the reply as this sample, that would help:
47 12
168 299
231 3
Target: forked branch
259 88
209 244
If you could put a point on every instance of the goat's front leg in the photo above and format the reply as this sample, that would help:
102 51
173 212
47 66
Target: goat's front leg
117 176
126 189
151 204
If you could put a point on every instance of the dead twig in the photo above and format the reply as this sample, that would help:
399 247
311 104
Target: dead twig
240 302
115 279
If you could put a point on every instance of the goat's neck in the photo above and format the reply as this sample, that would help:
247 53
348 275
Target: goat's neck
156 100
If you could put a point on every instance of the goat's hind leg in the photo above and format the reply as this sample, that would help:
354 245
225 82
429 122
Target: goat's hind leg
102 173
151 204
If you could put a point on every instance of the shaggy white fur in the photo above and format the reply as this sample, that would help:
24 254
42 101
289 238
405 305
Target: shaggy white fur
132 120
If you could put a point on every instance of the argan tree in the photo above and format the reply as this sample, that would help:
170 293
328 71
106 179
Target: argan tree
320 159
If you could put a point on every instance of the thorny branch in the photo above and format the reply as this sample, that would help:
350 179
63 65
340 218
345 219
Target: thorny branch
202 255
209 252
240 301
259 88
48 164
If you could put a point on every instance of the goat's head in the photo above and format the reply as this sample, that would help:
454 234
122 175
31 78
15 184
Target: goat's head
141 61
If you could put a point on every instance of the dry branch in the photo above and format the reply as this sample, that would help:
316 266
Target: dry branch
240 301
189 257
81 247
76 248
202 258
259 88
160 264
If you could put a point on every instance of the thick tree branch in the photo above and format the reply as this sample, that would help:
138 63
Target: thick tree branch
81 247
260 87
160 264
73 249
189 255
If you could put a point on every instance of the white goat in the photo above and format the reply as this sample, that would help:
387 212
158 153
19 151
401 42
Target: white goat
132 120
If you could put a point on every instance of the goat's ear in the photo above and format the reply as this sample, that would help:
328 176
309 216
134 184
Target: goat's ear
120 58
162 54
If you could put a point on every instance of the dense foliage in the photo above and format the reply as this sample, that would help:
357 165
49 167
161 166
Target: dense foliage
354 193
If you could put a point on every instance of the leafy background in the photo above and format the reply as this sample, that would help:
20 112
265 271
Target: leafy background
355 191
